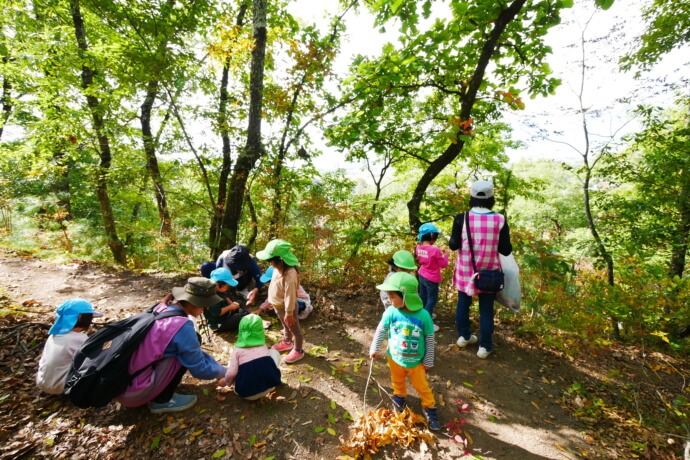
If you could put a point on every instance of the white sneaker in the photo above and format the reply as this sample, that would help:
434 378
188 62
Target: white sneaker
482 353
433 316
436 328
462 342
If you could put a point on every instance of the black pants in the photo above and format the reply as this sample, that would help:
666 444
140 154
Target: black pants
231 321
167 393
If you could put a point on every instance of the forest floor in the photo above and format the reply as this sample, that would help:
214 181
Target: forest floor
525 402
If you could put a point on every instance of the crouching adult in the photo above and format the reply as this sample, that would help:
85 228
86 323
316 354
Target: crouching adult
170 349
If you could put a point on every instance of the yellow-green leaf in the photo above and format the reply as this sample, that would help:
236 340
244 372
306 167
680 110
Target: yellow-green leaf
319 429
219 453
154 444
330 431
167 430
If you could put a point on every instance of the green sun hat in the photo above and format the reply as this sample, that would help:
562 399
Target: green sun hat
279 248
404 259
407 284
251 332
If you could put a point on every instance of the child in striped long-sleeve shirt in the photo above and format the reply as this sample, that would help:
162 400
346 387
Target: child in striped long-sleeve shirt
411 345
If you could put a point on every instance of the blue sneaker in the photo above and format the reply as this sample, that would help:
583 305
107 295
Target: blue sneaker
176 404
432 418
399 403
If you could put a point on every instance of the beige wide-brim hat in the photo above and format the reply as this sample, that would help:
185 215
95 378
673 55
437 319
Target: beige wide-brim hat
199 291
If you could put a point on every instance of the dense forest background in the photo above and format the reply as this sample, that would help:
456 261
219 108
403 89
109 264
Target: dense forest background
155 134
152 135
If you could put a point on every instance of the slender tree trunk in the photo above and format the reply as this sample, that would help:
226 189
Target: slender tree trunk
254 222
378 181
219 207
466 104
278 169
679 250
87 77
6 99
61 186
254 147
152 160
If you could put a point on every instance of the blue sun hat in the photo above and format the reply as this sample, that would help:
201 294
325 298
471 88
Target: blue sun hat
425 229
68 314
406 284
223 275
268 274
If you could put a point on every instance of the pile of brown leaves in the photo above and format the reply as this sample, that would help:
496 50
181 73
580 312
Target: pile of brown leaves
382 427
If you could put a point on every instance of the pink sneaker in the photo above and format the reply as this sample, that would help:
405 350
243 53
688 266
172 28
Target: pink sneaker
294 356
282 346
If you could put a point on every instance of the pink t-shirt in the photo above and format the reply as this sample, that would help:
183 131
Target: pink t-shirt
431 261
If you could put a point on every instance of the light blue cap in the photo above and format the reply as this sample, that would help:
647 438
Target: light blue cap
224 275
68 314
425 229
268 274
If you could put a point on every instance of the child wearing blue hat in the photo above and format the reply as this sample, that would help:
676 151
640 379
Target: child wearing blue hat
224 316
67 335
431 261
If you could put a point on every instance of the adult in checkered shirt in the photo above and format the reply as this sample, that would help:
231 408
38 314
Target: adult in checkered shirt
490 236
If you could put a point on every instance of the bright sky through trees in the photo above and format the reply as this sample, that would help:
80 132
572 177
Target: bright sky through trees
548 124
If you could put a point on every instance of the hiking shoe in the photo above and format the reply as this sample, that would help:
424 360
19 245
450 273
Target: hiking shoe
294 356
399 403
483 353
177 403
432 418
463 342
282 346
436 328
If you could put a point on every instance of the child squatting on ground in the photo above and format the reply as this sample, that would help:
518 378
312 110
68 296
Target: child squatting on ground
282 295
411 346
226 315
401 261
67 335
253 368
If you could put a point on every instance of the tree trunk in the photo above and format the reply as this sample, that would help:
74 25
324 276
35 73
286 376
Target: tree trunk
6 100
61 185
87 76
219 208
254 147
151 160
466 104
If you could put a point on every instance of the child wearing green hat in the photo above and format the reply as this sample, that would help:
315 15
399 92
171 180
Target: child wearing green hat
411 345
402 261
253 368
282 295
67 335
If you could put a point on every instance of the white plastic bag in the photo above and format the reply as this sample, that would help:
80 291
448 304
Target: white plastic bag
511 293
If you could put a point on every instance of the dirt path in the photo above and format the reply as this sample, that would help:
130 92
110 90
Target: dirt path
513 396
